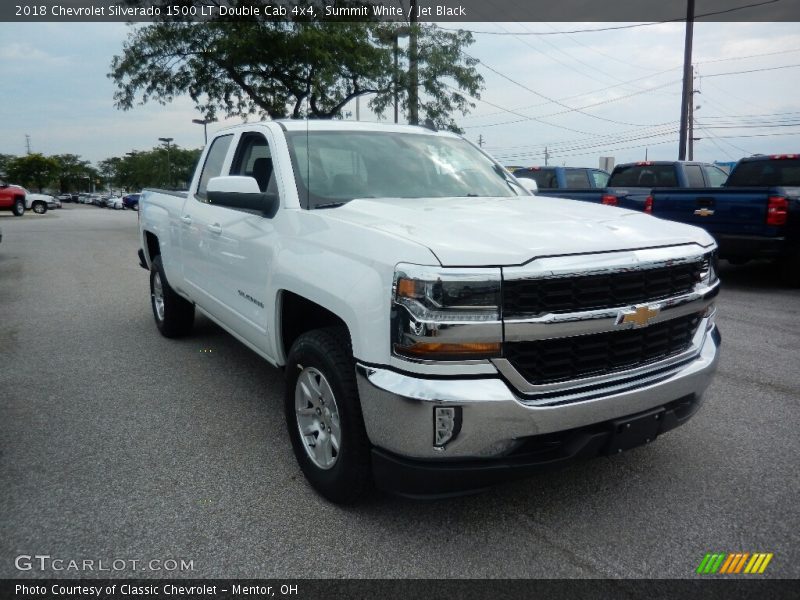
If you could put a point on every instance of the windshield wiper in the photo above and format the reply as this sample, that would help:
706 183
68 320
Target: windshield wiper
331 205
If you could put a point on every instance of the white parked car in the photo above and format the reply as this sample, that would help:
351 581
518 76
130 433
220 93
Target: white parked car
39 203
115 202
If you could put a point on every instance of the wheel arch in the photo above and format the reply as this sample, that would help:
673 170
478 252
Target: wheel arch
298 315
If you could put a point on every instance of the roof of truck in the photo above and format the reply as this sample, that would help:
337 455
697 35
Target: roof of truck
340 125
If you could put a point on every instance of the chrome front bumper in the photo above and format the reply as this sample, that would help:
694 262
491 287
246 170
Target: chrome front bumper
398 407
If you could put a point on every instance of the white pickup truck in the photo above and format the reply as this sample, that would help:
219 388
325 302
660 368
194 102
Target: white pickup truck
440 328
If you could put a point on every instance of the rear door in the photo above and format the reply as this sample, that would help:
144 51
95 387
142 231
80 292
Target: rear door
197 216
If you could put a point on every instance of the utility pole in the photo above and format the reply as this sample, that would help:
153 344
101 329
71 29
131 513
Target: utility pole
480 141
413 70
690 122
28 142
688 84
546 156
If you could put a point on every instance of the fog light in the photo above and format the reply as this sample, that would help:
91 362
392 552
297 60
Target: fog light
446 424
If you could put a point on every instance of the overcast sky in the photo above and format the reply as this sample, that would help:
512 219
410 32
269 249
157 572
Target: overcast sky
625 85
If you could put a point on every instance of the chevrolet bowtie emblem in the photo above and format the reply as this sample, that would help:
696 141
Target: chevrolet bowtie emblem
637 316
704 212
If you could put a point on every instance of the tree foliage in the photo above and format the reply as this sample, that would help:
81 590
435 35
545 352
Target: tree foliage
34 171
292 68
151 168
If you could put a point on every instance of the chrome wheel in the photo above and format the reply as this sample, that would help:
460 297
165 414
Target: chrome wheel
317 418
158 296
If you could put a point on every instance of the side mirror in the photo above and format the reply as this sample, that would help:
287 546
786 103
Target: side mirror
236 191
529 184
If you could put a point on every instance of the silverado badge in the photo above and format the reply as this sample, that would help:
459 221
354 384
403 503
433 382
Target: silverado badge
637 316
704 212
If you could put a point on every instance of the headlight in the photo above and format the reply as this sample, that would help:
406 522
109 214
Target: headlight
446 314
708 273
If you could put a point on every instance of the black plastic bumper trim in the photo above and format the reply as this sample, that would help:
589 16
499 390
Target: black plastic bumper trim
429 479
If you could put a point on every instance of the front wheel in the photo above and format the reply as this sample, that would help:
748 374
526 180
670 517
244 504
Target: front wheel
323 415
19 207
174 315
39 208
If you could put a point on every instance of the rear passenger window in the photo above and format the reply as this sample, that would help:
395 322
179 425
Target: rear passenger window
600 179
213 165
694 176
715 177
577 179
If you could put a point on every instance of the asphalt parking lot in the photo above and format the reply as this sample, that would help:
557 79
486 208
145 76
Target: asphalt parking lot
116 443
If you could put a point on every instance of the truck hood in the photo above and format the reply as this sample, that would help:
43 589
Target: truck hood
513 231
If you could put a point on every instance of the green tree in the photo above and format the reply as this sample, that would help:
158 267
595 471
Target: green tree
5 160
72 171
150 168
33 170
295 68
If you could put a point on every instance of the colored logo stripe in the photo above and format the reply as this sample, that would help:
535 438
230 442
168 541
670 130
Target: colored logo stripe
733 563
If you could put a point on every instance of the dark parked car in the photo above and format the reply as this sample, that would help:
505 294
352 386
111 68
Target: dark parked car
131 201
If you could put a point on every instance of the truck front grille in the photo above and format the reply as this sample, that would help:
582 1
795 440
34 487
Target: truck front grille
564 359
523 297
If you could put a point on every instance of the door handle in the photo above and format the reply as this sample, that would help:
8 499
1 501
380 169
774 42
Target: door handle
215 228
187 219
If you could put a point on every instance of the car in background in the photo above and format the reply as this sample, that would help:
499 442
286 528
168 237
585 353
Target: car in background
39 203
115 202
131 201
12 198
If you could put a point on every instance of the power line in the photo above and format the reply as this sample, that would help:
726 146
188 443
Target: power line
548 98
618 27
589 93
580 109
753 70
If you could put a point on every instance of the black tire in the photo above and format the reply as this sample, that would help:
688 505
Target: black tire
177 317
328 352
39 207
19 207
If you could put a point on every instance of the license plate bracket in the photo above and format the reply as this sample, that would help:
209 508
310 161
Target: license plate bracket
635 431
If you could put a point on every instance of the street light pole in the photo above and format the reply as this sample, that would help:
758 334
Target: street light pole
204 123
167 140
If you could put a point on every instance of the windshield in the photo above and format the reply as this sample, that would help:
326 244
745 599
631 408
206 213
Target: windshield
334 167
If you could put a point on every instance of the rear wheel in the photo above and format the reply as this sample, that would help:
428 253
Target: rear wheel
174 315
19 207
39 207
323 415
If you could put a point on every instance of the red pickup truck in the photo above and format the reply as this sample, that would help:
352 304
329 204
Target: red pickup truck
12 198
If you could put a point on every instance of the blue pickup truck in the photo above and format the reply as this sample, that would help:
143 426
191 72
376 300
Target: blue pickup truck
551 179
756 214
630 184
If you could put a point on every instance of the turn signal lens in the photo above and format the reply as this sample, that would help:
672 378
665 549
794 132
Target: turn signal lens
445 351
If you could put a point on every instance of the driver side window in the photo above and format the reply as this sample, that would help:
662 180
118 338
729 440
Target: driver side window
254 159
